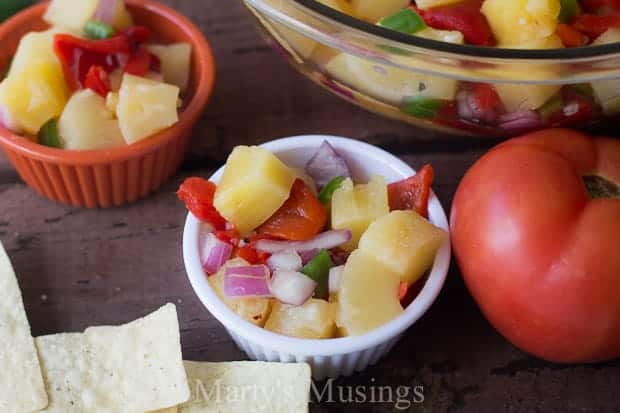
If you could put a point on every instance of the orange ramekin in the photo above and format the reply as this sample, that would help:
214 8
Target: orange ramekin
116 176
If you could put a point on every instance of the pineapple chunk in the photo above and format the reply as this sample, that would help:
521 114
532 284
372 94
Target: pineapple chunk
34 95
111 102
301 44
122 18
176 60
368 296
254 310
70 14
392 84
529 97
86 123
356 207
145 107
372 10
515 22
607 92
254 186
313 320
35 47
404 242
429 4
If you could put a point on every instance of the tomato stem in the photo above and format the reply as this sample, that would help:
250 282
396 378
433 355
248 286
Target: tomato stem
599 187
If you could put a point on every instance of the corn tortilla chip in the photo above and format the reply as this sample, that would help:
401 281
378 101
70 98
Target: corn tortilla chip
247 387
21 383
134 368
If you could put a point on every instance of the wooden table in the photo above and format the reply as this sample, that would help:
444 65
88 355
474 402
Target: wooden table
82 267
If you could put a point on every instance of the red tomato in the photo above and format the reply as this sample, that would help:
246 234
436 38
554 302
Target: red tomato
198 193
413 192
300 218
538 253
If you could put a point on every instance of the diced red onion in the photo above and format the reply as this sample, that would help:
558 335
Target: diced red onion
249 271
339 256
326 240
326 164
106 10
213 253
237 286
335 275
469 109
307 256
291 287
520 120
6 120
285 260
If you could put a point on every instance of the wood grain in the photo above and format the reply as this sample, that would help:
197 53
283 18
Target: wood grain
88 267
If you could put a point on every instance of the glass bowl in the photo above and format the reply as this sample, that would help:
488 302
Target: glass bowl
443 86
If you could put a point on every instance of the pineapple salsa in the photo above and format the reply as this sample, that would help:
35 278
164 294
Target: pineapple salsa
92 80
312 254
497 109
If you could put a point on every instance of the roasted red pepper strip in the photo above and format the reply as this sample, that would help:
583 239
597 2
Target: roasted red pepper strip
300 218
464 17
198 193
98 81
139 62
593 26
413 192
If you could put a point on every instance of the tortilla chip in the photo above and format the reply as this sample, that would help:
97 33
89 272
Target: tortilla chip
134 368
21 383
247 387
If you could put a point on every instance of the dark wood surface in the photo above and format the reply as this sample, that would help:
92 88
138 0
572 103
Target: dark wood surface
87 267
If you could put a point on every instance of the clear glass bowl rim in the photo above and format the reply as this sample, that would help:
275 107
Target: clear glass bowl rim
465 50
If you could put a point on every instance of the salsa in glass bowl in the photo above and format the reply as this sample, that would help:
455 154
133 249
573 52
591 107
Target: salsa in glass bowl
407 61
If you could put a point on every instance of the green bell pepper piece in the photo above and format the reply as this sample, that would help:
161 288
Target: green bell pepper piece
98 31
422 107
568 10
318 269
48 135
405 21
325 196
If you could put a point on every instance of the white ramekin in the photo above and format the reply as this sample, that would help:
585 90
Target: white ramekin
332 357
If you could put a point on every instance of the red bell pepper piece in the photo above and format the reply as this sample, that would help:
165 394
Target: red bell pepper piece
465 17
231 236
570 36
98 81
139 62
251 255
592 6
301 217
577 110
198 193
155 64
137 35
403 287
593 25
413 192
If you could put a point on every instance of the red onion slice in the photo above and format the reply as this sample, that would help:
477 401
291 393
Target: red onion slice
335 275
324 241
213 253
326 164
307 256
106 11
260 271
291 287
285 260
239 286
520 121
